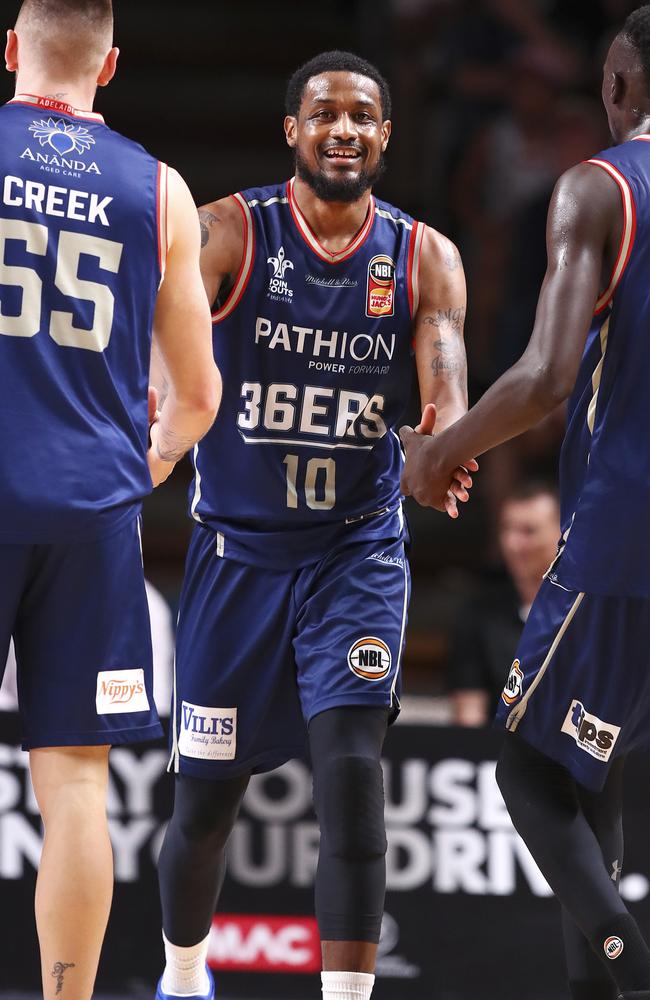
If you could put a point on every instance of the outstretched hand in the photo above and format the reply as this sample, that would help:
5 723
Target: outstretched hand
421 479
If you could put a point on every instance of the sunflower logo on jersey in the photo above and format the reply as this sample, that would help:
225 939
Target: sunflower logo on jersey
63 137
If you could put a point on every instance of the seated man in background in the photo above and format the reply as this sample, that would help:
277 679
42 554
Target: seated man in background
490 621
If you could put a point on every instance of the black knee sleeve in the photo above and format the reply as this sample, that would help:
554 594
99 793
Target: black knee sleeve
192 863
349 801
346 748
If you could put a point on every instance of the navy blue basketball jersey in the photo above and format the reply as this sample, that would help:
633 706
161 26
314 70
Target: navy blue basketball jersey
316 352
82 253
605 462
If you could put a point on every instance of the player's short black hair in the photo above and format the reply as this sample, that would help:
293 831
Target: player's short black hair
98 11
334 62
636 31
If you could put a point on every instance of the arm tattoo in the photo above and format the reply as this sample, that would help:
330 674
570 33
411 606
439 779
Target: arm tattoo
447 319
58 973
450 363
207 220
452 258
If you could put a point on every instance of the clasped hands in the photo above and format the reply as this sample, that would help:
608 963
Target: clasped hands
424 477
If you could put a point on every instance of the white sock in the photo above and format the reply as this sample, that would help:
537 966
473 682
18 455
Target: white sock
185 973
347 985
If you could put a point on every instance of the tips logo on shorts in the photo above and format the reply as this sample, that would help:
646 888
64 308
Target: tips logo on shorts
208 733
613 947
63 137
591 734
514 684
369 658
121 691
380 299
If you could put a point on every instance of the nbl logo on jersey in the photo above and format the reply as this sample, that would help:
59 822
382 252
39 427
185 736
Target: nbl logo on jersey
380 297
369 658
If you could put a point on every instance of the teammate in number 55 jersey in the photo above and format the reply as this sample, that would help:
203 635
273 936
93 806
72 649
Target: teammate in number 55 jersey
295 598
577 697
97 244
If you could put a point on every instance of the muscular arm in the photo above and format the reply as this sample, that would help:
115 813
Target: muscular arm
584 228
182 351
222 244
439 344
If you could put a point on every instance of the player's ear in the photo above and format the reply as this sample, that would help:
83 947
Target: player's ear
107 71
386 129
618 88
290 130
11 51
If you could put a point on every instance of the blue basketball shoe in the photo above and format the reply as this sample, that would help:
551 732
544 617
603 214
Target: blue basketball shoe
161 995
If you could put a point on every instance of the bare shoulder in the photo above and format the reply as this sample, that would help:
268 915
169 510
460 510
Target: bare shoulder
587 189
439 252
222 236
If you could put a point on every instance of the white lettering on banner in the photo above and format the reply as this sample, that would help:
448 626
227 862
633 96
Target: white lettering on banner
447 826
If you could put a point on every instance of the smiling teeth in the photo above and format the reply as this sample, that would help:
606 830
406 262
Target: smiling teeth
346 156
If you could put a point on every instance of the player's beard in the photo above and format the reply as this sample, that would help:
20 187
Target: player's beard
344 189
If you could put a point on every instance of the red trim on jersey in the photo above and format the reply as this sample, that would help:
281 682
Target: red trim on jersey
643 138
158 180
311 239
49 104
247 263
409 267
627 236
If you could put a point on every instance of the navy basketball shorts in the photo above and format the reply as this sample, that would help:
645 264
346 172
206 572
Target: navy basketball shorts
80 621
579 687
260 652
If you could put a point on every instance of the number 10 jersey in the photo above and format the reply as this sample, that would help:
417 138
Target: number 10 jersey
82 253
315 349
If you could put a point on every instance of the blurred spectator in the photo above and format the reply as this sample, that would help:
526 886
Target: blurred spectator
162 640
490 623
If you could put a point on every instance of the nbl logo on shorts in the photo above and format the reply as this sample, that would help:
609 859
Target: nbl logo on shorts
369 658
590 733
613 947
514 684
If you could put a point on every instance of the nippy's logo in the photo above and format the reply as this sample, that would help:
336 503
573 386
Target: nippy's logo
208 733
590 733
278 285
121 691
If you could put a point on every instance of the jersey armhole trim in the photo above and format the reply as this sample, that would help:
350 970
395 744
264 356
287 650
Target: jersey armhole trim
161 217
246 266
627 236
413 267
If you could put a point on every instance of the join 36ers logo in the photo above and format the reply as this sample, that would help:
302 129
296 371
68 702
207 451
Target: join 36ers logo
380 299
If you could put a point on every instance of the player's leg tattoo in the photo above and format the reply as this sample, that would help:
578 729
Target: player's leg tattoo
75 878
